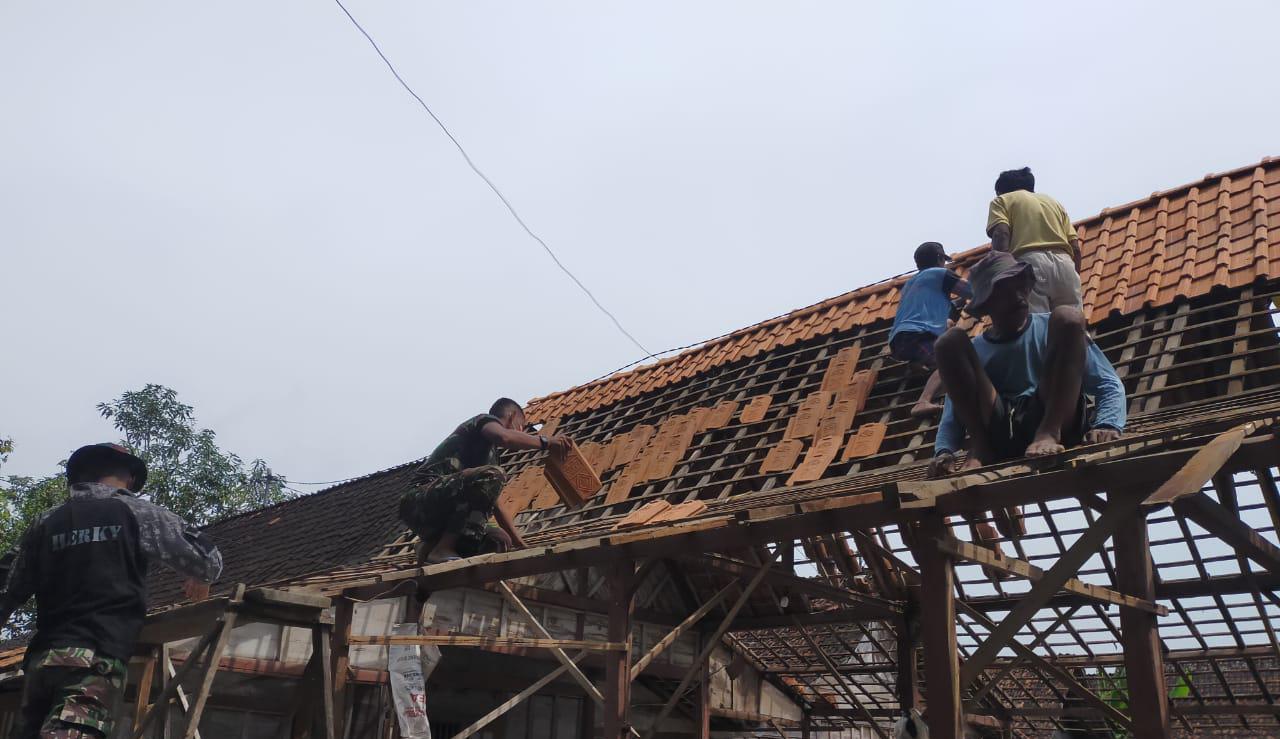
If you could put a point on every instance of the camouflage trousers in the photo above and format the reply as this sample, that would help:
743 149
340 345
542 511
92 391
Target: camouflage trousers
70 693
456 503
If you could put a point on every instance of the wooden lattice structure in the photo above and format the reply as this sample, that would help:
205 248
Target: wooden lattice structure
1141 597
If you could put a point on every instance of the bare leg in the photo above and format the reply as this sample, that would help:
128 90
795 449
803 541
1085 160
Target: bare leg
1060 382
925 407
445 548
985 535
972 396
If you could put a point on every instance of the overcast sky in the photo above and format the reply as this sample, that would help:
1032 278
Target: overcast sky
238 201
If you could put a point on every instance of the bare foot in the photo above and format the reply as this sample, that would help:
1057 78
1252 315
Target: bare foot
1044 445
970 463
926 409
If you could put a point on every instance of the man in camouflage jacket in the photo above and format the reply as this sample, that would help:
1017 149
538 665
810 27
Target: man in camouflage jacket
453 493
86 563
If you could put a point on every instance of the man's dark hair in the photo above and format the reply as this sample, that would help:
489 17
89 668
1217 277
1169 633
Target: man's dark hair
1015 179
503 406
928 254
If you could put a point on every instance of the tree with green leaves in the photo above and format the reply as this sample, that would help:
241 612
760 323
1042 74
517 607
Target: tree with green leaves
187 472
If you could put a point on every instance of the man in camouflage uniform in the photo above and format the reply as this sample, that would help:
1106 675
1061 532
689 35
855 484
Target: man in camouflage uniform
86 563
453 493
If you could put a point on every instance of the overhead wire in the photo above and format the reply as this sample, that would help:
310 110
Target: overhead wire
489 182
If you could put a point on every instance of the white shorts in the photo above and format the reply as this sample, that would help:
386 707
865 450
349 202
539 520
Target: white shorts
1057 282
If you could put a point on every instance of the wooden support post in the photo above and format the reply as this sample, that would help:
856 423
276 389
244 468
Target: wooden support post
166 674
704 702
617 693
908 685
344 611
1143 660
938 630
305 703
320 640
805 722
144 689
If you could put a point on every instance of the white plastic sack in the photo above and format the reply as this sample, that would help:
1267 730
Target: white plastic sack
409 667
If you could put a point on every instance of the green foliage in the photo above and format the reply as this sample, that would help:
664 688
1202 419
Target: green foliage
187 472
1114 690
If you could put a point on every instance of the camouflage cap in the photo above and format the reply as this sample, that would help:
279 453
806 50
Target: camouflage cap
87 462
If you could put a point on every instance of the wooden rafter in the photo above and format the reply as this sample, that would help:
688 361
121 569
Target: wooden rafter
1014 566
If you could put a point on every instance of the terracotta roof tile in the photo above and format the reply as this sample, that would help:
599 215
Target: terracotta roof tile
783 456
812 409
754 411
1178 243
866 442
820 456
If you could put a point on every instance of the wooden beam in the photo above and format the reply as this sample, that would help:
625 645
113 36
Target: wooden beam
704 702
1165 590
728 532
676 633
321 637
144 689
971 703
1144 663
484 642
174 685
211 669
617 696
1119 509
907 686
944 711
515 700
849 615
1204 464
344 612
1222 523
709 645
752 717
793 583
1012 565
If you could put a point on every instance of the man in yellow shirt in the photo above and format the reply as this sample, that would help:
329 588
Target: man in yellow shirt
1036 230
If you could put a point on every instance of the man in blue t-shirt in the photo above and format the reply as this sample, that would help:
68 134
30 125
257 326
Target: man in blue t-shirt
924 308
1021 388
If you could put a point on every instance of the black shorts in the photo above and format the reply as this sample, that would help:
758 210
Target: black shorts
913 346
1015 420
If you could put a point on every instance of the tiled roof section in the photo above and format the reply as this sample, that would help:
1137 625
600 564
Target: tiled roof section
339 526
1177 243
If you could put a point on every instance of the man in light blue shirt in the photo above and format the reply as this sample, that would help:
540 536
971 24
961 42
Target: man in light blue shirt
924 307
1021 388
